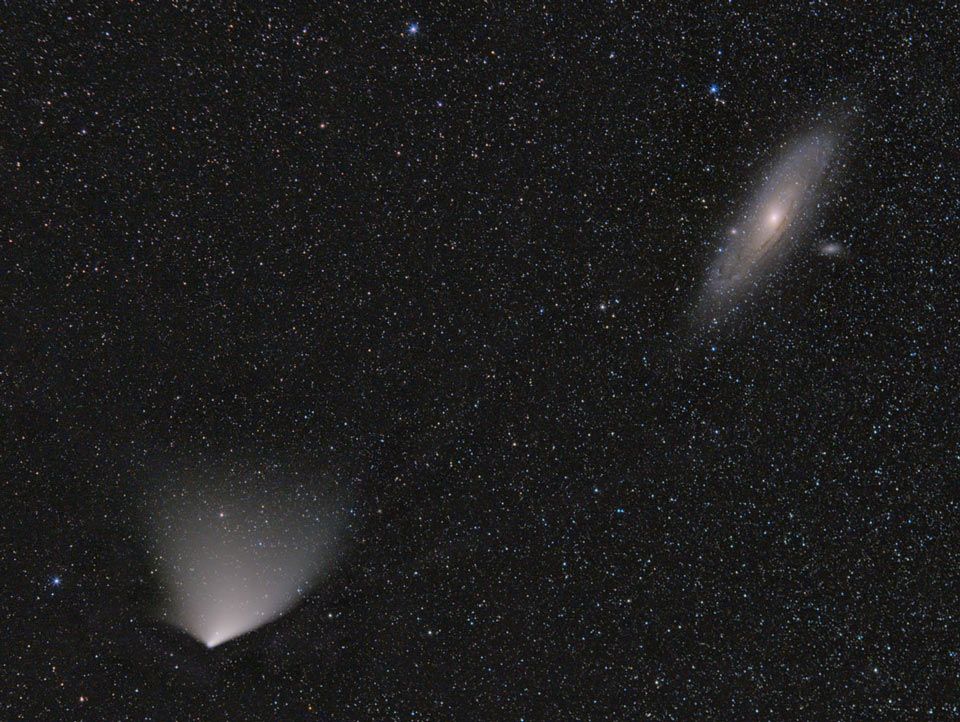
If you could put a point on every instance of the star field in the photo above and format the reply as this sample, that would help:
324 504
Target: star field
421 277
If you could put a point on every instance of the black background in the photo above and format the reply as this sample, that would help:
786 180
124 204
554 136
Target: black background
449 273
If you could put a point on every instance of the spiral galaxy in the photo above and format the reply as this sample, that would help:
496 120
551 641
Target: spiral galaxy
770 226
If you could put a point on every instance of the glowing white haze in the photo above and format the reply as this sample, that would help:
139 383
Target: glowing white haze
238 556
767 230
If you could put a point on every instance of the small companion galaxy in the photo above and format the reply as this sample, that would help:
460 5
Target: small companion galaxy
494 361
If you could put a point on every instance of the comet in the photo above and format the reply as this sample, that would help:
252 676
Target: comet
236 553
769 227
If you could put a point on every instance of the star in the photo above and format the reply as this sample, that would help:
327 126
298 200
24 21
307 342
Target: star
55 581
714 89
413 28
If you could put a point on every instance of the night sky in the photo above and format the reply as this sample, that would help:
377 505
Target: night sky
423 285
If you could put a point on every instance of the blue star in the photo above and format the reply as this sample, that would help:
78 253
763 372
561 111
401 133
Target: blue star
55 581
413 28
714 89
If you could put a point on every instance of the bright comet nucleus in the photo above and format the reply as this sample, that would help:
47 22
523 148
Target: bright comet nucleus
769 227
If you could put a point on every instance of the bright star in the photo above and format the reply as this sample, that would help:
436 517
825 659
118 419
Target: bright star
714 89
413 28
55 581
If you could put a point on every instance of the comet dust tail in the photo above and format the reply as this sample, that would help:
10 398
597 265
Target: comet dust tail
236 551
